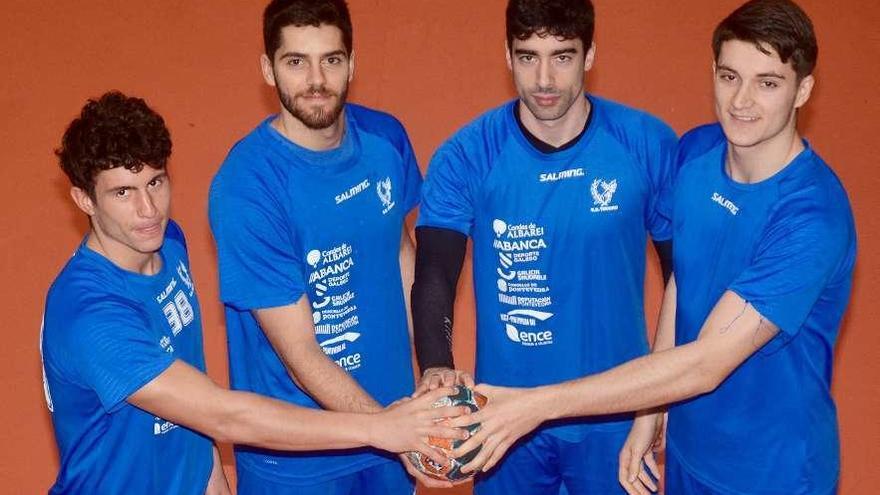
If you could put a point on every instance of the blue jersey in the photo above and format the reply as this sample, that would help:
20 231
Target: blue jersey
787 246
559 240
290 222
107 332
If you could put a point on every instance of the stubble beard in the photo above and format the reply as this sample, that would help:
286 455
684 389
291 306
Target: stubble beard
315 119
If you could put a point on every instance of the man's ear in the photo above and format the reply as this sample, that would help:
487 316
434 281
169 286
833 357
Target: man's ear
267 69
590 57
83 201
805 89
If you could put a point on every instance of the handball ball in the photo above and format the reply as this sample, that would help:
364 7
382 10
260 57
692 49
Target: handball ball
463 396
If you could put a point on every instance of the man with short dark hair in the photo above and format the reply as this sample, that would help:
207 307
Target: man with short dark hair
559 191
765 245
123 366
308 214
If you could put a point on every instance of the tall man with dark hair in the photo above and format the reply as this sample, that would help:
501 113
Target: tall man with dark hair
765 246
559 191
122 338
308 215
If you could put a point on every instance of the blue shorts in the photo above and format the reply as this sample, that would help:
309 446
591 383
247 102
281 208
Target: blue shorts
680 482
388 478
543 464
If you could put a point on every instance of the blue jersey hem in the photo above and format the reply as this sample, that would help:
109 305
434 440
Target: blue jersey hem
275 477
671 450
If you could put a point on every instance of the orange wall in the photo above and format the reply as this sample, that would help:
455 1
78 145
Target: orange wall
434 64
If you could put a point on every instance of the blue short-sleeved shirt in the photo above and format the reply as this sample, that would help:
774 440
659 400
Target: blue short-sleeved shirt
290 222
559 240
787 246
108 332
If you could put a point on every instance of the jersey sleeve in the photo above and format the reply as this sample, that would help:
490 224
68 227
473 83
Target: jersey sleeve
659 156
114 352
258 263
446 199
801 249
412 176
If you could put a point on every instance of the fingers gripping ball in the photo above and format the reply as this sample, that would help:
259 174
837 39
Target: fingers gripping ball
452 470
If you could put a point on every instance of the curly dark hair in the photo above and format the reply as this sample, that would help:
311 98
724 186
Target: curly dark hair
113 131
282 13
778 23
567 19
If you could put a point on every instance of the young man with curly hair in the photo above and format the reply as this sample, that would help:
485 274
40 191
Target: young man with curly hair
123 365
560 191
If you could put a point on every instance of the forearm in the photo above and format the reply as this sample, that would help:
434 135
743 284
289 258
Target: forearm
733 331
407 259
328 384
258 421
439 258
292 334
650 381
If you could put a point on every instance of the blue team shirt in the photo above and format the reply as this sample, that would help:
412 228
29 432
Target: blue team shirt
559 241
107 332
290 222
787 246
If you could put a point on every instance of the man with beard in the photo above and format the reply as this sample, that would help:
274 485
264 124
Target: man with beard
308 215
559 191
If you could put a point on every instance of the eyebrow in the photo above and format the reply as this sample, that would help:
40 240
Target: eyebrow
563 51
334 53
774 75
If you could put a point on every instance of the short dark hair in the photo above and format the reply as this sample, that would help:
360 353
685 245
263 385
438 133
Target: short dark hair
113 131
778 23
282 13
567 19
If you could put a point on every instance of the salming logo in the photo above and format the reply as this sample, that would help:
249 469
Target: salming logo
725 203
353 191
562 175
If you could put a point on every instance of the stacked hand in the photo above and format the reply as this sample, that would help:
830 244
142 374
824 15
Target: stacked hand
509 414
434 379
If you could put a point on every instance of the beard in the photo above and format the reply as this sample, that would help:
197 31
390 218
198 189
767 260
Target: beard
314 118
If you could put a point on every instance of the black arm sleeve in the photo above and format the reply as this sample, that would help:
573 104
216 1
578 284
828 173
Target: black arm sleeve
439 257
664 251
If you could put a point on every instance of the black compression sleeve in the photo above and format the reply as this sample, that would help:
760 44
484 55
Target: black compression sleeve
439 257
664 251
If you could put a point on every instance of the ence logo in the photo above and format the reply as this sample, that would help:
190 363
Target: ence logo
529 318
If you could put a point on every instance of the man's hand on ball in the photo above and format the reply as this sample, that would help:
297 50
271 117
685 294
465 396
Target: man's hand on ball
406 425
422 477
509 414
434 378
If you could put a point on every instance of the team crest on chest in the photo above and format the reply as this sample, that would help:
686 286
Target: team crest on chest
383 190
603 195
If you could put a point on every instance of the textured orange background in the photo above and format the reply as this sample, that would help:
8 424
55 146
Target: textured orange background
435 65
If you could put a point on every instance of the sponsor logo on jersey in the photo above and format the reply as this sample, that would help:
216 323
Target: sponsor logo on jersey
161 427
516 319
603 194
353 191
725 203
383 190
183 273
572 173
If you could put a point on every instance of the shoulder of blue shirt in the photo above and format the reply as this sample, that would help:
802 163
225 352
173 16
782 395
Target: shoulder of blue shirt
492 129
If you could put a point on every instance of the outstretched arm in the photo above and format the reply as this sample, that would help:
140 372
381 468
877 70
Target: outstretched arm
733 331
184 395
